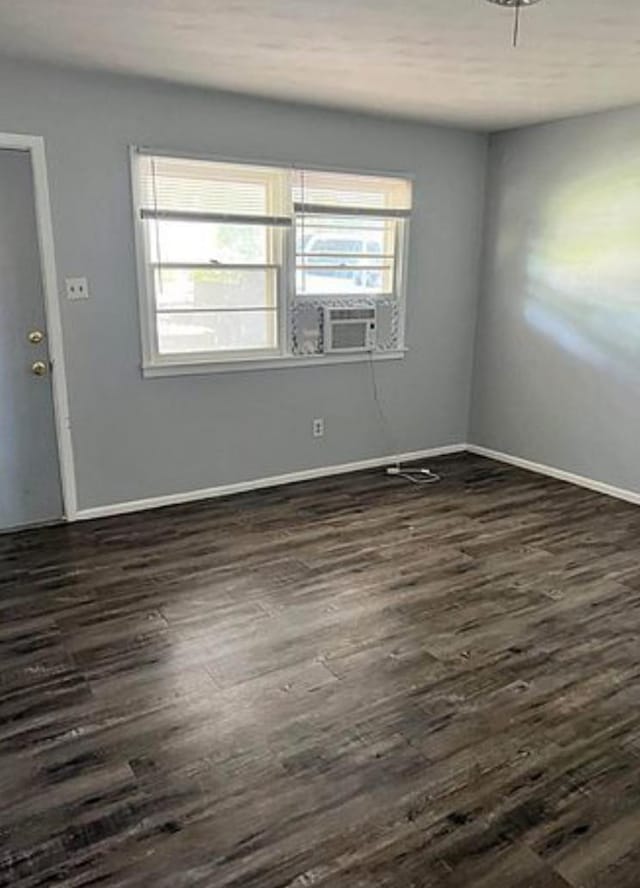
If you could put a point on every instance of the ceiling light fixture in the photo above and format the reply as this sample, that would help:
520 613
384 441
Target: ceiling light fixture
517 6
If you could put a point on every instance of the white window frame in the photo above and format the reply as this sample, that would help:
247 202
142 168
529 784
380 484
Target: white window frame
156 364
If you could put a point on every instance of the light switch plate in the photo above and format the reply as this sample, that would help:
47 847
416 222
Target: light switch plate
77 288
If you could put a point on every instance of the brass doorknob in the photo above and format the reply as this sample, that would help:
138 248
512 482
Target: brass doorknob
35 337
39 368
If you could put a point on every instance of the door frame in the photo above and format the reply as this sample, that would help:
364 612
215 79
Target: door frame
34 146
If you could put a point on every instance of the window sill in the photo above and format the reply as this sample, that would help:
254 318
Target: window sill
262 363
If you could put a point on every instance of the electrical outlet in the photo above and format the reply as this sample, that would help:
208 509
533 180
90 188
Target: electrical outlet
77 288
318 428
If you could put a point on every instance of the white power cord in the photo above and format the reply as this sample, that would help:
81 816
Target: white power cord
414 474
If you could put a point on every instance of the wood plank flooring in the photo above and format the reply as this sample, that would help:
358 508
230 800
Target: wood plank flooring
345 683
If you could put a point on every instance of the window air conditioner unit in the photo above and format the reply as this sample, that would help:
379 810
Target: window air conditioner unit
349 330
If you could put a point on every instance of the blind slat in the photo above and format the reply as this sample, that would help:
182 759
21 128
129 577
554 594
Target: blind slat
229 218
216 266
341 210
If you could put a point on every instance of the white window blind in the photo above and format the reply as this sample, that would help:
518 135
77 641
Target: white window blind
175 187
316 191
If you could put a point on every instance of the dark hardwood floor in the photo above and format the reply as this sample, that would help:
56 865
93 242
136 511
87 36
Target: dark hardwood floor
345 683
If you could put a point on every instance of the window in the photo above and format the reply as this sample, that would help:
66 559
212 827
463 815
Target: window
240 263
347 233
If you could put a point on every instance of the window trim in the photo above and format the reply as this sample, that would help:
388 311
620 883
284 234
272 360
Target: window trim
154 364
224 365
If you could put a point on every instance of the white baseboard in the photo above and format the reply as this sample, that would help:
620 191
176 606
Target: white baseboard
630 496
156 502
327 471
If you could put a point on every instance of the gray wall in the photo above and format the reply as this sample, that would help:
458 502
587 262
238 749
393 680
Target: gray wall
137 438
557 368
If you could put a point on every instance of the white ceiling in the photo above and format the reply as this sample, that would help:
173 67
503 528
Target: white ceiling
442 60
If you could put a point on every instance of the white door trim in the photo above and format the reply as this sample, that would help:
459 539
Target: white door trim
35 146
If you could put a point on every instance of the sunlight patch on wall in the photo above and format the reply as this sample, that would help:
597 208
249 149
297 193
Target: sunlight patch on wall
584 269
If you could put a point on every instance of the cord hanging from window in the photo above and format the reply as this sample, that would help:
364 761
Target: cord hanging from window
415 474
156 221
303 191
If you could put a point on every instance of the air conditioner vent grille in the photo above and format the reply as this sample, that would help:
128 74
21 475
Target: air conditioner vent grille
352 314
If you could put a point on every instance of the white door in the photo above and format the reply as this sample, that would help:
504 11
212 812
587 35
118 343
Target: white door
30 490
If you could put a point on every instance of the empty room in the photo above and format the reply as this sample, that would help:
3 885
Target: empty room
319 443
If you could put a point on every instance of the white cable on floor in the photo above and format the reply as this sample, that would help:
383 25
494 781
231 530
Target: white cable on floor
416 475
